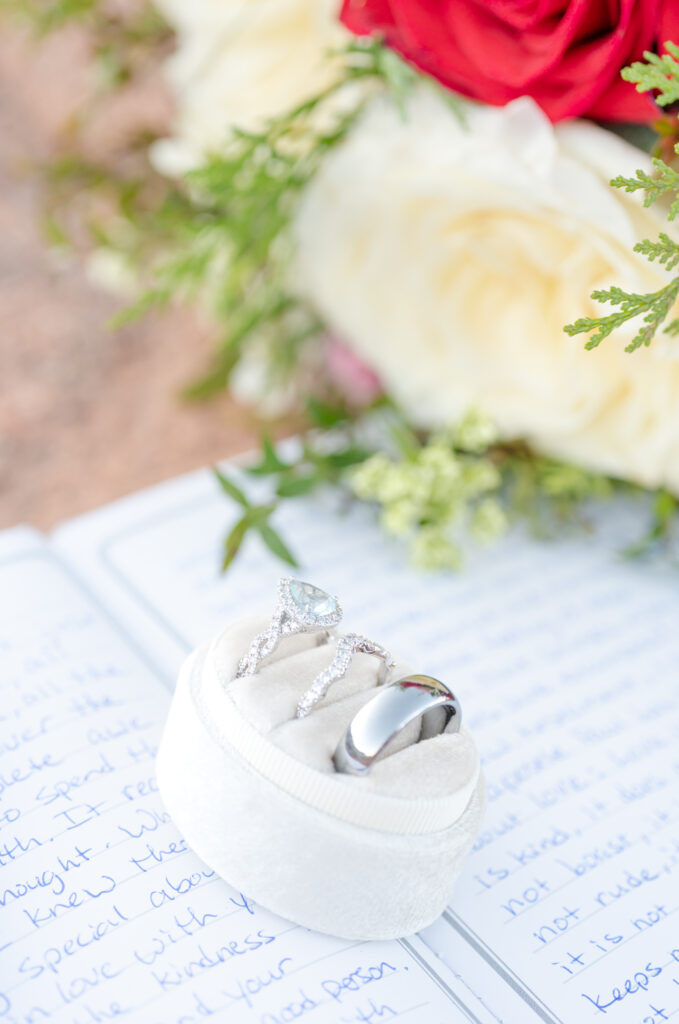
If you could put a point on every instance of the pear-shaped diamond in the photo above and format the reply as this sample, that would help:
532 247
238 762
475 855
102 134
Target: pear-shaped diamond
312 600
309 605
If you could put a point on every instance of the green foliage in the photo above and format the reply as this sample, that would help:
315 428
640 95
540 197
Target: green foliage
231 244
658 73
663 525
254 518
436 494
44 16
665 250
664 182
119 203
125 209
431 487
400 77
548 494
433 497
432 492
122 36
232 240
569 484
322 460
654 305
223 234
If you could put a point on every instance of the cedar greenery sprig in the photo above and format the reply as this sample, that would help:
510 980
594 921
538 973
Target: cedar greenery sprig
655 306
235 246
665 251
659 73
664 182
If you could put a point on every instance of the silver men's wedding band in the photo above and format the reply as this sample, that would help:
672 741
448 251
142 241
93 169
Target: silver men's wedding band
392 708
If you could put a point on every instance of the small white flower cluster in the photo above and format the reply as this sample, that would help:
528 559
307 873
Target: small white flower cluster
434 495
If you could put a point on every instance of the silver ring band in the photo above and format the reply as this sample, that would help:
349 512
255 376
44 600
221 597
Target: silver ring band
390 710
301 608
347 645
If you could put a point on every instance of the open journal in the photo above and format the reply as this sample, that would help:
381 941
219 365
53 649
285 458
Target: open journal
566 661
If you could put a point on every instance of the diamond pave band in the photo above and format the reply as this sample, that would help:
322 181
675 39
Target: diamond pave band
301 608
347 645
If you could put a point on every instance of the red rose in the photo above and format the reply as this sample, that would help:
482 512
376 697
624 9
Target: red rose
566 54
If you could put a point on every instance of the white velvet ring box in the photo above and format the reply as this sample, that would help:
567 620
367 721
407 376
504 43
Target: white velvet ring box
254 792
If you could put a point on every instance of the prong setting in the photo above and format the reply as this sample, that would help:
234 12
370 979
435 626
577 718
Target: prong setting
308 605
302 608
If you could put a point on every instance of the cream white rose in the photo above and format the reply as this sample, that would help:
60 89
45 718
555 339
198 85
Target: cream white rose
239 62
450 259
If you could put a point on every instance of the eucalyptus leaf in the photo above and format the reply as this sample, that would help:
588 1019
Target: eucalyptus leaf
233 541
325 415
230 488
346 457
270 462
296 486
276 544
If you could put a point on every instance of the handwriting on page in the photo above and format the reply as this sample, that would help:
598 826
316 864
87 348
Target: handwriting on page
575 877
567 664
104 912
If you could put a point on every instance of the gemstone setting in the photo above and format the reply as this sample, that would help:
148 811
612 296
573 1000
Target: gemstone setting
309 605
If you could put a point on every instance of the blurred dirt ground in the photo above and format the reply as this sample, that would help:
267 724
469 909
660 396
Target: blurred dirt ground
87 414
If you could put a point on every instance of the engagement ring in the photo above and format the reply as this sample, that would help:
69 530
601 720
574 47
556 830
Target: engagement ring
302 608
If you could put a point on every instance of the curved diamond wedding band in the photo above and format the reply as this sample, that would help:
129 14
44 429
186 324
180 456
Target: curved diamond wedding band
301 608
347 645
390 710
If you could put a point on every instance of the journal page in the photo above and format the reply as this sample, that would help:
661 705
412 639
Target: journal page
565 657
104 912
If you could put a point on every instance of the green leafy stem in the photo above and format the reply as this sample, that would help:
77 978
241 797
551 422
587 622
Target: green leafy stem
232 241
315 465
433 494
660 74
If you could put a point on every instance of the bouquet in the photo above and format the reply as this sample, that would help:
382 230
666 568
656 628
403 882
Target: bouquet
430 227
